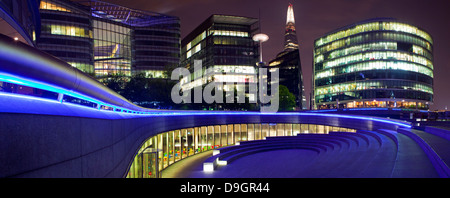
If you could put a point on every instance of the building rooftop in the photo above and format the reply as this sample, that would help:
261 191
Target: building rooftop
361 22
233 19
125 15
218 18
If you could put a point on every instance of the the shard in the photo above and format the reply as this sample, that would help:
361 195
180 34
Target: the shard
290 37
288 61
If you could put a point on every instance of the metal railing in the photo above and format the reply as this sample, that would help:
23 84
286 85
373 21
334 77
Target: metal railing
27 66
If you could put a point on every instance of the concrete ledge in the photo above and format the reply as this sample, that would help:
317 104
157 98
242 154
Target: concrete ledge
389 134
443 133
440 166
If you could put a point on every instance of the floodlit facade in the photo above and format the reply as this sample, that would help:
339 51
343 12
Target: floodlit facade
374 63
104 39
289 64
227 53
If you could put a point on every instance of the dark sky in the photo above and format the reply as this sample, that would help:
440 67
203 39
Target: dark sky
316 18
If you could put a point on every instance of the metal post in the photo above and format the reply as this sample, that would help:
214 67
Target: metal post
60 97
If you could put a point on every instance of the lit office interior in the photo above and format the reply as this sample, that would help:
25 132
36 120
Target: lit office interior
160 151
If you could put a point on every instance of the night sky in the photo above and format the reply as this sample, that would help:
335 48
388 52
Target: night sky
316 18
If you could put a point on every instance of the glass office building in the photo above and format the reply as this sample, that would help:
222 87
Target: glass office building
227 52
374 63
104 39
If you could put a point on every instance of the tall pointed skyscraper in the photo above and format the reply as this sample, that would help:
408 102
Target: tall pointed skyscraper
290 36
288 62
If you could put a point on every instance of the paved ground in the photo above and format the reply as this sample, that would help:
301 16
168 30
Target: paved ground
289 163
299 160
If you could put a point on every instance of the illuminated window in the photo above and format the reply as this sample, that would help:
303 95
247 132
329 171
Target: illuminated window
45 5
188 54
357 86
70 31
375 65
234 69
198 48
196 40
229 33
377 55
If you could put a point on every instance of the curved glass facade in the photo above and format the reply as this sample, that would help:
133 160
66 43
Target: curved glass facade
67 33
374 63
162 150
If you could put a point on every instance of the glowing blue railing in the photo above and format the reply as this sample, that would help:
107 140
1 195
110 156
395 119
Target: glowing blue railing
24 65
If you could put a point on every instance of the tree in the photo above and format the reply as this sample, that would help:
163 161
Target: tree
143 91
115 82
286 99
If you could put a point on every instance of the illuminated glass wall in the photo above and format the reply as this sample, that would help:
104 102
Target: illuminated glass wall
160 151
112 48
374 63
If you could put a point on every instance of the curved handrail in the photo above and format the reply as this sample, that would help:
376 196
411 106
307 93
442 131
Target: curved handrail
25 63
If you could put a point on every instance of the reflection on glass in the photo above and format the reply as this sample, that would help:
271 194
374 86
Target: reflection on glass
223 130
217 136
177 152
244 133
264 131
112 49
183 143
251 132
210 136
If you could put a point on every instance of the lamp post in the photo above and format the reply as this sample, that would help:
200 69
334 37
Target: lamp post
260 38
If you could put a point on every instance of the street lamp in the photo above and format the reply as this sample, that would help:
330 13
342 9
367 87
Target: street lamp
260 38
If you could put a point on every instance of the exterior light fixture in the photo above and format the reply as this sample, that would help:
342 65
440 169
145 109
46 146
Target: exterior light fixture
260 38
